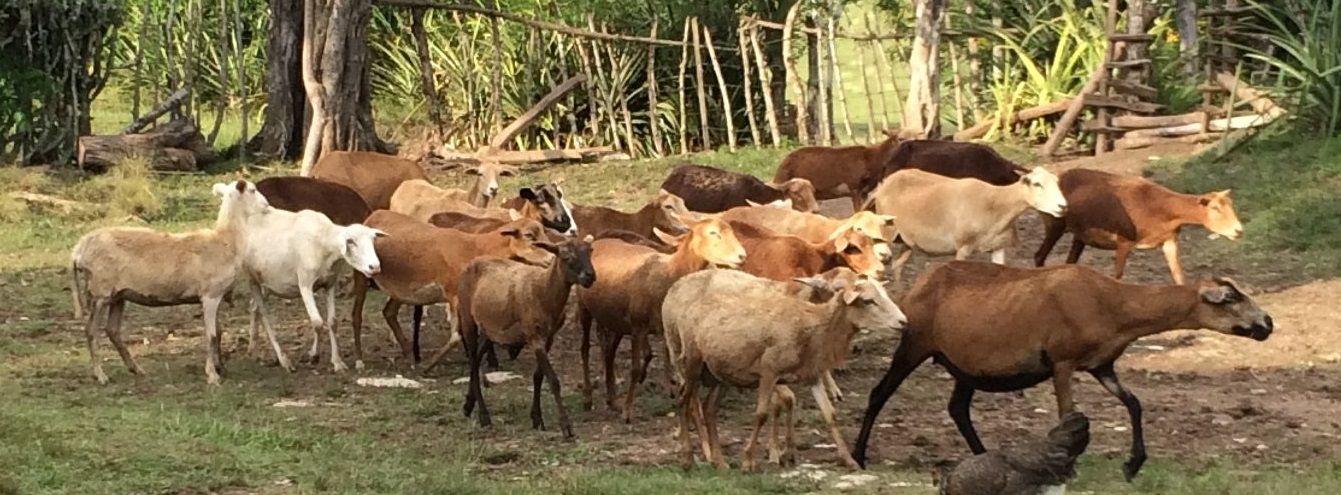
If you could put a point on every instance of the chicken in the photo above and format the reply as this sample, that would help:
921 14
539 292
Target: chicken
1039 467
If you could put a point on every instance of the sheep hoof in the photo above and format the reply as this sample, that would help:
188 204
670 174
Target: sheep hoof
212 379
1131 467
314 358
340 367
358 364
102 377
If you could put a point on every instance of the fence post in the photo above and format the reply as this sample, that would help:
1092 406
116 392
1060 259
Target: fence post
802 133
766 78
653 120
704 131
838 87
741 33
721 85
684 62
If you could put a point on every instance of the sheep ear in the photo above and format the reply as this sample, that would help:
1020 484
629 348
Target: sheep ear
889 220
670 240
822 291
588 239
850 295
379 233
546 245
508 171
473 171
1217 294
510 232
752 203
840 242
528 194
514 215
220 189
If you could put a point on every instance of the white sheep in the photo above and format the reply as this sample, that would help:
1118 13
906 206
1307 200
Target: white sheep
294 254
114 265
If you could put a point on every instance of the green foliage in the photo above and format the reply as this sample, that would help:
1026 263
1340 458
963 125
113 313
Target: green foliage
53 62
1306 35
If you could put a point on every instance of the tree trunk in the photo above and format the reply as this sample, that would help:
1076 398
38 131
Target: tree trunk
816 104
281 136
1185 16
921 114
1139 15
426 84
335 77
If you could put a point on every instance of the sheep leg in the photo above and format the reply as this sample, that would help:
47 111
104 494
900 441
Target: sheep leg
356 316
609 346
1073 255
416 321
897 267
253 326
714 451
115 312
474 395
391 312
1170 248
831 418
906 359
1107 377
831 386
337 363
856 202
762 408
490 355
315 322
960 409
99 306
542 362
1120 259
963 252
1053 228
584 320
688 405
781 454
258 302
636 374
537 386
211 310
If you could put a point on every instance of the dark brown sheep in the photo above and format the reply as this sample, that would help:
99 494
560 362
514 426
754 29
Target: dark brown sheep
953 159
374 176
839 172
338 202
713 190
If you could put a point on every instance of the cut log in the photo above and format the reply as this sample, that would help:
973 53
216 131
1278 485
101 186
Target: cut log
1127 64
1134 89
524 157
982 128
166 106
1217 125
1146 122
1073 112
1131 38
1246 93
175 146
1095 100
43 200
1129 143
526 119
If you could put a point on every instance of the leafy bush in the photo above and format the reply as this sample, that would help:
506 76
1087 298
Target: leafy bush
1307 37
127 190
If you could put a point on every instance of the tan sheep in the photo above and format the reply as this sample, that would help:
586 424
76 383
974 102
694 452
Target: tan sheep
730 327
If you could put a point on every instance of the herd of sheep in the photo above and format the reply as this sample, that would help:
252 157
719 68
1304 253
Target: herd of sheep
741 281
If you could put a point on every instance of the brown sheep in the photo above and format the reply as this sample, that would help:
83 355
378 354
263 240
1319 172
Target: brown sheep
665 212
817 228
784 257
111 266
955 160
712 190
626 299
512 303
421 265
338 202
729 327
374 176
1110 211
839 172
1000 329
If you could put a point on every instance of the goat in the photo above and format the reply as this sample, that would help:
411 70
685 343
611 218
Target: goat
293 255
421 265
817 228
725 326
1111 211
512 303
114 265
626 298
338 202
955 160
374 176
939 215
1000 329
664 212
712 190
839 172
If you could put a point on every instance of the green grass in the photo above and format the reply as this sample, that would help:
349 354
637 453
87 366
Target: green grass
1286 191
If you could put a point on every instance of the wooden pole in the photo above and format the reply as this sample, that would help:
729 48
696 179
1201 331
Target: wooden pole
620 92
653 116
766 78
726 96
139 60
870 93
839 88
571 114
1110 28
607 90
684 62
1073 111
225 51
593 103
704 131
741 34
557 93
822 98
802 133
974 70
955 80
879 57
426 85
241 81
496 78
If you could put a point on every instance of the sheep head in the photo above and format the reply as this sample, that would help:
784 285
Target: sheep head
487 174
555 212
800 193
711 240
1044 194
858 252
1220 217
357 248
523 234
671 213
880 228
1225 308
574 257
867 305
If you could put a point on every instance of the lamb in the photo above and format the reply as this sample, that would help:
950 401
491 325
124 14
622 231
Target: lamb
840 172
374 176
665 212
1033 468
1000 329
712 190
338 202
626 298
512 303
114 265
939 215
294 255
818 228
1111 211
729 327
421 265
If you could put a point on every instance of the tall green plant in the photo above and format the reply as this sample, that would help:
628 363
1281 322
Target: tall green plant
1307 38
